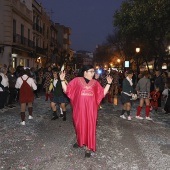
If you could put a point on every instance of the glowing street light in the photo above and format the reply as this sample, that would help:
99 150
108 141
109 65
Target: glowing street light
137 49
137 61
118 60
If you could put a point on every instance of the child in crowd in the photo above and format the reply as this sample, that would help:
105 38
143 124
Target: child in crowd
154 98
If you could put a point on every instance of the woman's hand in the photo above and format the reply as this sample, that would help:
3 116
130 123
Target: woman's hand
62 75
109 79
63 82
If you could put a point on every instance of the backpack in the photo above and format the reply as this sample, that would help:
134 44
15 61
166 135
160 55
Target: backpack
26 92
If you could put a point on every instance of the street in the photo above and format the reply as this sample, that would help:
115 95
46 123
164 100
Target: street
45 144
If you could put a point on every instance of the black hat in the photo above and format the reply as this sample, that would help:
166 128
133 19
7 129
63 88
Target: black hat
84 68
130 72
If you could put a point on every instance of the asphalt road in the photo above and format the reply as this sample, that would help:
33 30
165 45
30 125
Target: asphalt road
44 144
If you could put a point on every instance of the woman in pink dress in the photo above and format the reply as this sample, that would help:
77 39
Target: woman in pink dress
85 95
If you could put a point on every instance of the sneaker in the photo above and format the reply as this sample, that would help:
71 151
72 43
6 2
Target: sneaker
22 123
139 117
123 116
129 118
11 106
148 118
100 107
30 117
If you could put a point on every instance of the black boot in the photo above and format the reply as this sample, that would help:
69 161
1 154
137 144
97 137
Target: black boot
55 116
64 115
87 154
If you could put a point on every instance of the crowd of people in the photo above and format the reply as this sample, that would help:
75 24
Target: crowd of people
84 90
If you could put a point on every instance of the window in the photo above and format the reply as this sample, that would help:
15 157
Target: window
37 42
29 34
22 34
21 62
47 32
29 42
14 30
43 28
14 62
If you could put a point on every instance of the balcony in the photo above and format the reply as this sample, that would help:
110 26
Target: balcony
37 28
41 50
21 40
21 9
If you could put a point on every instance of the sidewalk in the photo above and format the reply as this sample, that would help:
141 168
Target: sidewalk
121 144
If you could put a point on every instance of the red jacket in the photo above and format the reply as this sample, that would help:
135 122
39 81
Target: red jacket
155 95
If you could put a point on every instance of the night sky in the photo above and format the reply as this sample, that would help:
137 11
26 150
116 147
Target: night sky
89 20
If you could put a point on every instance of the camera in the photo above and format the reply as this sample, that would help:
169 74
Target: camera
99 71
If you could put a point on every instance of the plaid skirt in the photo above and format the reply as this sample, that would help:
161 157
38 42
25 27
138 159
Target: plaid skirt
143 95
125 98
59 99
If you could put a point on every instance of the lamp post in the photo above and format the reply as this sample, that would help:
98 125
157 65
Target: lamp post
137 49
118 60
137 61
111 65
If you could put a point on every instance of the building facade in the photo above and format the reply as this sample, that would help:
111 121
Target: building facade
16 32
27 35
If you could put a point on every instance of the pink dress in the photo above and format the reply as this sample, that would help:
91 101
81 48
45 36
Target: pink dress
85 99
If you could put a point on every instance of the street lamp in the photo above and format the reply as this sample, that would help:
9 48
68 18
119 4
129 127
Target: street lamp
137 62
169 49
118 60
137 49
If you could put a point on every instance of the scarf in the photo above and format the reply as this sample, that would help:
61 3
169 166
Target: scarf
129 80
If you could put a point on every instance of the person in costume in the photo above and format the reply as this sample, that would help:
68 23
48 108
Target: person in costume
85 95
26 85
154 98
126 95
58 96
143 91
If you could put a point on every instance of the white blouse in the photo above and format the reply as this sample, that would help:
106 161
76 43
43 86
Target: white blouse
30 81
55 82
4 81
